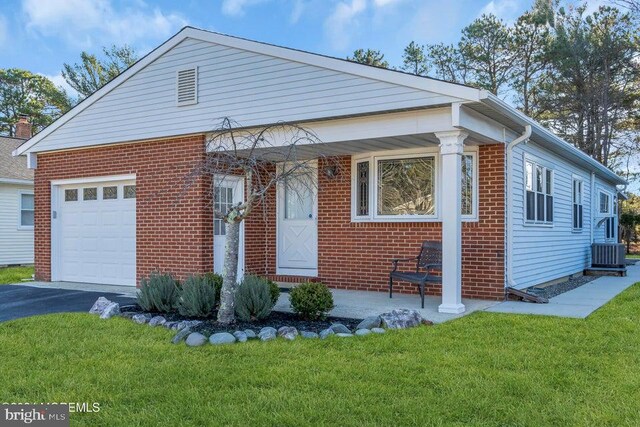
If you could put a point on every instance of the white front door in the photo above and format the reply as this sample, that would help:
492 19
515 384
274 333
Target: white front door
298 226
94 232
228 191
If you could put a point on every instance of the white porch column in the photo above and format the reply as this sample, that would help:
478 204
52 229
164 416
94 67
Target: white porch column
451 147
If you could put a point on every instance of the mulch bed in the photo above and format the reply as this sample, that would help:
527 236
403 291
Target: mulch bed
276 320
560 288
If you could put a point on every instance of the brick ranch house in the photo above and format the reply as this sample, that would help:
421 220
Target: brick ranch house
513 204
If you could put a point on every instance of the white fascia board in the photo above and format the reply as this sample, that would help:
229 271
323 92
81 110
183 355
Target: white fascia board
480 126
16 181
413 122
544 133
381 74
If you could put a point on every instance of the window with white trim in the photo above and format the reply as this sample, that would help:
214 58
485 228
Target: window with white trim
399 187
538 193
27 210
577 204
604 203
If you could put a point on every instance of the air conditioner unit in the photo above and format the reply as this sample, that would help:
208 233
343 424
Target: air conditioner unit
611 255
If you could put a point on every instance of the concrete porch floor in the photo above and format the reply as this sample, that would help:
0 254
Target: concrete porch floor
360 304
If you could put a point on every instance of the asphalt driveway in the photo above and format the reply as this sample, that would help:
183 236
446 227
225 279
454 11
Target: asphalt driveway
18 301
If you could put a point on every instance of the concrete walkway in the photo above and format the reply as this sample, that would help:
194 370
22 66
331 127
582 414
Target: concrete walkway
360 304
577 303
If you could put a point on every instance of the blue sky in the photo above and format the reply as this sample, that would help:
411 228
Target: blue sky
40 35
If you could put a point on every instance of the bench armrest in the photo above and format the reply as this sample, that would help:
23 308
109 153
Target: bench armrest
395 261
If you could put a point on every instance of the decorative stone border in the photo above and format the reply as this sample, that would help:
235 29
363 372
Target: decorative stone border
395 319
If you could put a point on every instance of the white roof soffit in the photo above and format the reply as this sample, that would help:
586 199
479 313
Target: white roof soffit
505 109
396 77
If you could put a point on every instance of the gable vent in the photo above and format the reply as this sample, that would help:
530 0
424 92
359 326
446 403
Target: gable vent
187 86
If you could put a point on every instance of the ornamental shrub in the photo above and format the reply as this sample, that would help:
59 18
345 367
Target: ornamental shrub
159 292
311 300
253 299
274 291
197 297
216 280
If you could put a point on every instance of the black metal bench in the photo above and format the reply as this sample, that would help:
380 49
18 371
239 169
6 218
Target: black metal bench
428 261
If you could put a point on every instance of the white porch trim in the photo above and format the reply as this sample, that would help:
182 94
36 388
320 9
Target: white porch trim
451 149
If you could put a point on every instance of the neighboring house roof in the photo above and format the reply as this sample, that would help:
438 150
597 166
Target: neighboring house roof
411 93
13 169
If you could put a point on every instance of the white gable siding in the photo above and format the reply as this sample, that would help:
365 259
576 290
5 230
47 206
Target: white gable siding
16 245
544 253
247 87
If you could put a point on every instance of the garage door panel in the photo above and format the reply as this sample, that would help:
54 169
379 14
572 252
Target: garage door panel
98 237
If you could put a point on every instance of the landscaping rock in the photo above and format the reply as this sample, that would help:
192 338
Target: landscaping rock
99 306
377 330
288 333
126 315
309 335
326 332
141 318
362 332
339 328
180 336
344 335
268 328
267 334
169 325
110 311
176 326
401 319
222 338
195 339
157 321
250 334
369 322
240 336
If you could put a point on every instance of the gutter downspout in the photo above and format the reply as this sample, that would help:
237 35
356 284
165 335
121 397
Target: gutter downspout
509 203
592 207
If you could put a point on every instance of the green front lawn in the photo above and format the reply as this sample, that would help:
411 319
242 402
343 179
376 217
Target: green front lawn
484 369
14 274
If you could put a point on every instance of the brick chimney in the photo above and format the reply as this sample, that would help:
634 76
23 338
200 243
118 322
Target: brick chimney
23 127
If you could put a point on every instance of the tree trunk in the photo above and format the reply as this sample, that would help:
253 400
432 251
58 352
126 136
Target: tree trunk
226 312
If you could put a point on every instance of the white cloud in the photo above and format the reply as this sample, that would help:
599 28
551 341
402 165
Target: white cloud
296 11
59 81
507 10
86 23
382 3
237 7
342 21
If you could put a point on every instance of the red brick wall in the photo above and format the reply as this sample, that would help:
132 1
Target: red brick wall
357 255
174 225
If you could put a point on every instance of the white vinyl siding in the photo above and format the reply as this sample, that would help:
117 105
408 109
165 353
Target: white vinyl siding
544 253
16 242
250 88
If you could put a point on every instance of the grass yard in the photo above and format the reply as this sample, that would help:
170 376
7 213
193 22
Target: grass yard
14 274
485 369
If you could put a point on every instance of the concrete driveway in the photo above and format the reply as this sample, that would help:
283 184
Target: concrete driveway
18 301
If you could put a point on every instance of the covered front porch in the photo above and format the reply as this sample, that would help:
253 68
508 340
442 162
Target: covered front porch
341 234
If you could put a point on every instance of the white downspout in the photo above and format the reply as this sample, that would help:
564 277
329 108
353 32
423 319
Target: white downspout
509 205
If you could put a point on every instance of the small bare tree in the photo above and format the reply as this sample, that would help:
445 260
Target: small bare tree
266 157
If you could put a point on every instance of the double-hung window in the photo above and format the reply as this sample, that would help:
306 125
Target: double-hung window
400 188
538 193
577 204
27 210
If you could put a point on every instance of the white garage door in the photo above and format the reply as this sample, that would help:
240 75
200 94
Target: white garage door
96 233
